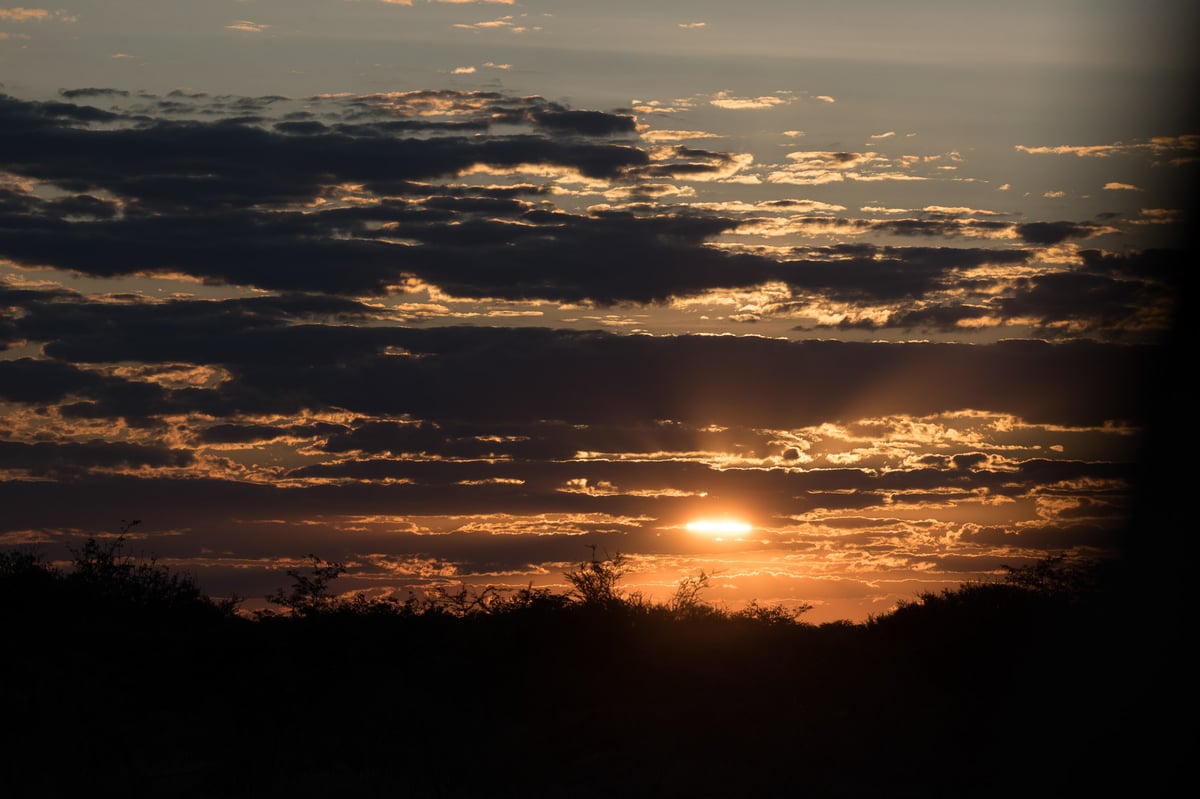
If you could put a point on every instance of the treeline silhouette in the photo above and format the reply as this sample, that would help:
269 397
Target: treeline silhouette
122 677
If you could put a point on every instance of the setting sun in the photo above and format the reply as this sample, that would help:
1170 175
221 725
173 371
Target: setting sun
718 527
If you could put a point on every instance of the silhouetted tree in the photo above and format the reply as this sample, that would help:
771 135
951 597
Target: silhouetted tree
309 594
594 582
685 602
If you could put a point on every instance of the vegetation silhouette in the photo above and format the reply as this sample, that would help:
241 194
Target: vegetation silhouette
122 676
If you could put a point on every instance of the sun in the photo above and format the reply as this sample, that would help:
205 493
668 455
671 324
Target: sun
718 527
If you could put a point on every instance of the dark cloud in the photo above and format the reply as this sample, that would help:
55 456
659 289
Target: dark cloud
40 381
531 374
75 94
1096 537
942 227
25 117
46 458
258 433
588 123
472 246
1168 267
51 141
970 460
1098 306
1094 299
890 273
1055 232
684 162
938 317
542 440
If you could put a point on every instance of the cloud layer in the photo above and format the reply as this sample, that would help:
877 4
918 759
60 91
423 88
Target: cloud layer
275 325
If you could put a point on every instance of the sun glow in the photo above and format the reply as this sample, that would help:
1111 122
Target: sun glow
718 527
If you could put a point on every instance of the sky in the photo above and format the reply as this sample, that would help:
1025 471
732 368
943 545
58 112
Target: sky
833 302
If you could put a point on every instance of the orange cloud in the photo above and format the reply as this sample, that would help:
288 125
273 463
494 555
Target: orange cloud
246 26
24 14
724 99
504 23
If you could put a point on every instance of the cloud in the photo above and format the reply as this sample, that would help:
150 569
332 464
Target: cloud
663 107
502 467
246 26
1158 216
92 92
1082 151
24 14
676 135
956 210
276 367
692 25
814 168
462 71
302 419
60 459
1114 186
1057 232
377 185
724 99
442 331
504 23
1177 150
591 123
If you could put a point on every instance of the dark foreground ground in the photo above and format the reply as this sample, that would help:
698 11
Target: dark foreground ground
986 692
